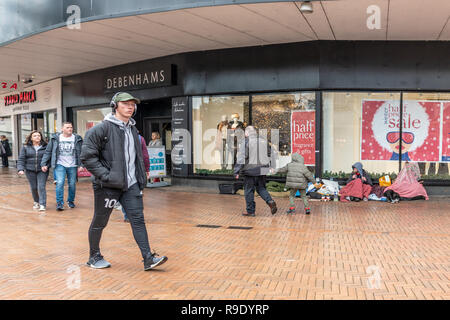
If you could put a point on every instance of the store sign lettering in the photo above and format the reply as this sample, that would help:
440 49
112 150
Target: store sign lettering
303 134
23 97
140 80
5 86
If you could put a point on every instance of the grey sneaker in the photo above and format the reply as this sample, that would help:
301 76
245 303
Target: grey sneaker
41 208
97 262
36 205
152 261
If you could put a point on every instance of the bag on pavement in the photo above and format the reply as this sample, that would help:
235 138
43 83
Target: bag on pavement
385 181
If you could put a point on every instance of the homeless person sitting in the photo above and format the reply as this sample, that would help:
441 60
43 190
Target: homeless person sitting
358 186
407 186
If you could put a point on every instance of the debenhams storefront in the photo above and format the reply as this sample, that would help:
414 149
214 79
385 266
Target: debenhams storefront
336 102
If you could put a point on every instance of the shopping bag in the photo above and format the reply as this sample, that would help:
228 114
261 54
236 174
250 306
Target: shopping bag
385 181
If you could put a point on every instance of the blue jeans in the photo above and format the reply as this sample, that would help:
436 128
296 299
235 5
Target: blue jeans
38 182
60 173
124 213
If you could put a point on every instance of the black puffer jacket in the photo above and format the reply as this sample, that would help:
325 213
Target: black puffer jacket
102 154
29 159
7 147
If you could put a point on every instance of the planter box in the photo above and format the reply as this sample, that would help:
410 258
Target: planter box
274 194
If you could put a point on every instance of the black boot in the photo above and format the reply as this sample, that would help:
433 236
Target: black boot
273 206
152 261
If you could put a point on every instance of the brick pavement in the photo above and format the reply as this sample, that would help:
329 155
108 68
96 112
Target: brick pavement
402 250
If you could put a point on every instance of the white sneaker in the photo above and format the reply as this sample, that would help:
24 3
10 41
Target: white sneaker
36 205
41 208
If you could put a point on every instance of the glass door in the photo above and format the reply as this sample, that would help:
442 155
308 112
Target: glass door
164 127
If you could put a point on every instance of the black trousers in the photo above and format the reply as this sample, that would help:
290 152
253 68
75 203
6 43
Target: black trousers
131 201
5 162
252 183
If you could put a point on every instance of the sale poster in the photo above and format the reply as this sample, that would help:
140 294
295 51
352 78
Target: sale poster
380 135
303 135
446 132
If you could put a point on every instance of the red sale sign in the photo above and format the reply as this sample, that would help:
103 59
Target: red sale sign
303 137
446 131
380 135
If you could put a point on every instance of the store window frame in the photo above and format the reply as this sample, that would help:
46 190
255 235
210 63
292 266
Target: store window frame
426 182
71 113
191 174
318 131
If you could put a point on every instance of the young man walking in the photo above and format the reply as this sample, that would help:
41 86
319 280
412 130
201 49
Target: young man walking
63 154
112 153
253 164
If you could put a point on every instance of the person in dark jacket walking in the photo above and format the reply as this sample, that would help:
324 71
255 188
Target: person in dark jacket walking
297 178
112 152
63 154
253 163
29 163
7 151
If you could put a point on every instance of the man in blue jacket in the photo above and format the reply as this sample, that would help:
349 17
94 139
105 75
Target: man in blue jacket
63 155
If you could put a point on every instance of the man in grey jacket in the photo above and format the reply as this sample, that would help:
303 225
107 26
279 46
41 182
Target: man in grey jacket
63 155
112 152
253 163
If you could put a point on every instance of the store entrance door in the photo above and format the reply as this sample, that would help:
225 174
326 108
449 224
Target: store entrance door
44 122
162 125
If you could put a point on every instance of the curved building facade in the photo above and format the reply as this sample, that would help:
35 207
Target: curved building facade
354 81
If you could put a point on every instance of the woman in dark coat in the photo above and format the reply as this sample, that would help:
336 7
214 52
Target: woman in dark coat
29 163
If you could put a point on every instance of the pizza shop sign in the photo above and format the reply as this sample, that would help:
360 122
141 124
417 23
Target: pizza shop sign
22 97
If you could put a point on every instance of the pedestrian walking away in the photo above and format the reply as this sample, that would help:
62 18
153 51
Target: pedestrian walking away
5 151
29 163
112 152
63 155
253 164
297 178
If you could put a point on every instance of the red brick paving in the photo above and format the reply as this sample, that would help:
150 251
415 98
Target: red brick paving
322 256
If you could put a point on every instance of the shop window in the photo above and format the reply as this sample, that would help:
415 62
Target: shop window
49 124
86 119
426 138
293 116
26 126
215 120
360 127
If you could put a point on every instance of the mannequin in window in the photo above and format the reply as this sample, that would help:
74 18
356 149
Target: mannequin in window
221 140
233 125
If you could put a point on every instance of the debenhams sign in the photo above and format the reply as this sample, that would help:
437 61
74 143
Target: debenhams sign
142 78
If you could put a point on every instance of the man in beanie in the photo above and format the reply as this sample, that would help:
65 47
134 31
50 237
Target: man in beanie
112 153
